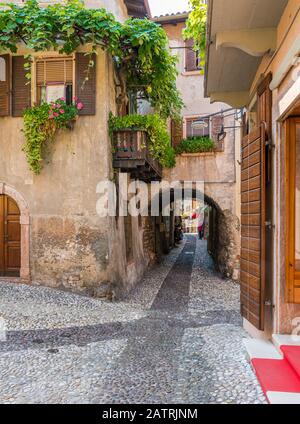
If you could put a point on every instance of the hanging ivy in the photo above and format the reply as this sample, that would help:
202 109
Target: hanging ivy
40 126
139 47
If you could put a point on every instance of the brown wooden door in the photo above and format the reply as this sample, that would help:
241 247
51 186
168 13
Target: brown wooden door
264 110
253 227
10 237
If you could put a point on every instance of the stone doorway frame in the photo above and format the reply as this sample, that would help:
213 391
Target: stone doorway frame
8 190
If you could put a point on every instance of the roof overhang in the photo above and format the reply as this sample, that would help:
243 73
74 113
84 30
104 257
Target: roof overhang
239 34
138 8
171 19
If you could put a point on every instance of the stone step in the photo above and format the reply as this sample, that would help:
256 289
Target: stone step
285 340
283 398
261 349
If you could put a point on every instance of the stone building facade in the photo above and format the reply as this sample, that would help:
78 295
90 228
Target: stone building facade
63 242
220 169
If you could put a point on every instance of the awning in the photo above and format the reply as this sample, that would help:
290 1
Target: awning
239 34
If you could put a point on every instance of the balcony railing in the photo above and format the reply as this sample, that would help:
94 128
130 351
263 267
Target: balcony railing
132 155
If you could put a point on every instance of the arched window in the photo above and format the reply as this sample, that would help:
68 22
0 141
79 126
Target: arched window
2 69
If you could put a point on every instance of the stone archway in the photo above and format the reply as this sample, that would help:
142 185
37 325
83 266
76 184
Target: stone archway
225 241
25 227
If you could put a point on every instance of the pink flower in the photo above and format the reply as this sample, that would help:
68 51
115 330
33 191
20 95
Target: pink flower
75 98
55 114
62 111
62 99
51 117
79 106
58 106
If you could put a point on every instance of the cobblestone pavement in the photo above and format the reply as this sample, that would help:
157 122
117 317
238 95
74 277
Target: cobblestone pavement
176 338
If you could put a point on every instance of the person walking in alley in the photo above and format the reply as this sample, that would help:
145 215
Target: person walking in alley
201 231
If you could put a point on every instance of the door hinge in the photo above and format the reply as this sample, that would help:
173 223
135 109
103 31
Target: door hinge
270 144
269 225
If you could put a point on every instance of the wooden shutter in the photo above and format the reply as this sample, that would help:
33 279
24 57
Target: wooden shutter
176 132
252 227
5 88
257 211
53 70
264 115
216 127
189 130
264 106
21 90
217 123
190 56
86 90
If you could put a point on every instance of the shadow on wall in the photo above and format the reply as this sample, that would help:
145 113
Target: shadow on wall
224 244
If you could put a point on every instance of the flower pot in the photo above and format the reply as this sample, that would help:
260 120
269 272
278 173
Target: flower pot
70 125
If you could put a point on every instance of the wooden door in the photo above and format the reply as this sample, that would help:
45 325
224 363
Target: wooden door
293 209
264 110
10 237
252 227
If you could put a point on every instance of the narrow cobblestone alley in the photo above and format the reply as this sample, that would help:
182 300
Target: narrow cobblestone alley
176 338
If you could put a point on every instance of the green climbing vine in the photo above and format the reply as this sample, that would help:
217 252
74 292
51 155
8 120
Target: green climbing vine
139 47
196 28
156 128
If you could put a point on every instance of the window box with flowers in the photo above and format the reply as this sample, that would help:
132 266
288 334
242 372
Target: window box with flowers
41 124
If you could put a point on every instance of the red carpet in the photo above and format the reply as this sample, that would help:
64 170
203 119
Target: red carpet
276 375
292 355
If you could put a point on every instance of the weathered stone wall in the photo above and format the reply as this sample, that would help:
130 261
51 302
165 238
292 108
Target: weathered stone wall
227 254
125 275
220 173
68 253
148 225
